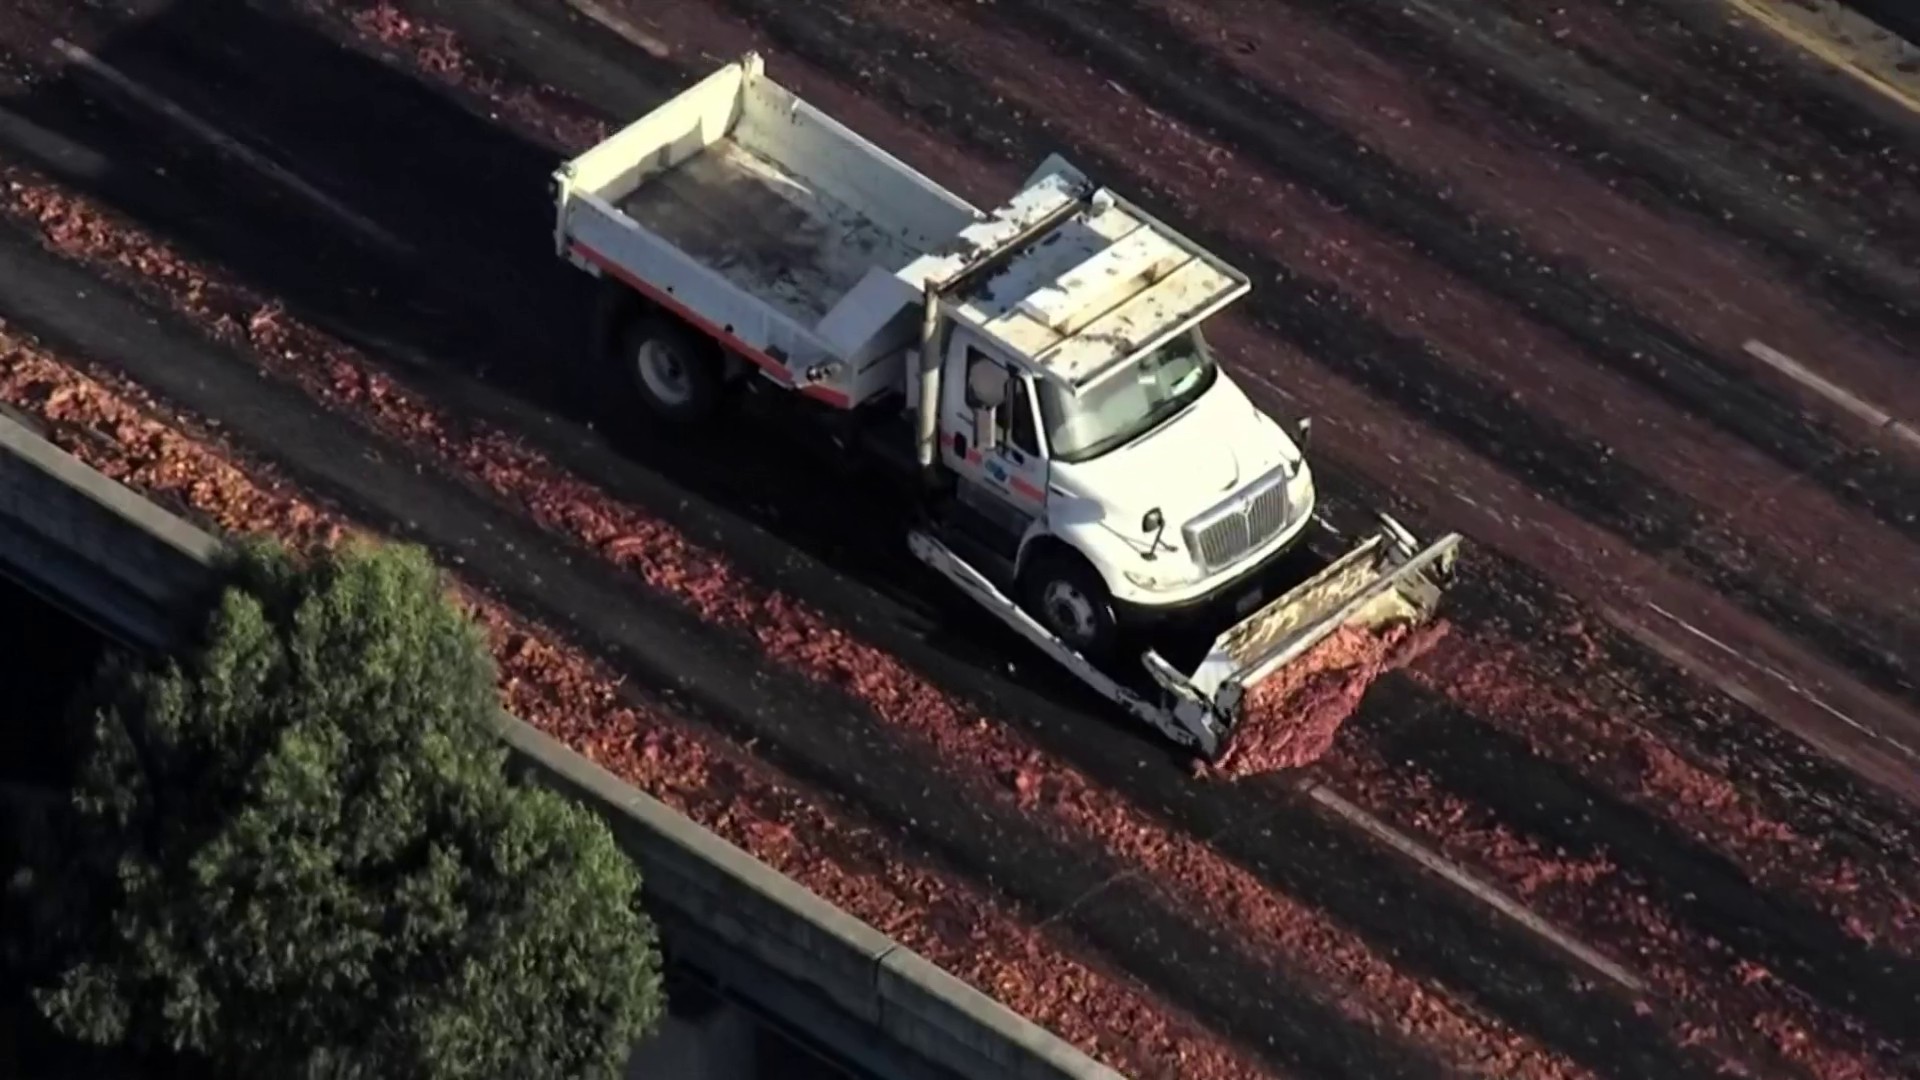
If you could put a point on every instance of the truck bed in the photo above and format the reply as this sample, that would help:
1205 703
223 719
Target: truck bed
766 230
767 223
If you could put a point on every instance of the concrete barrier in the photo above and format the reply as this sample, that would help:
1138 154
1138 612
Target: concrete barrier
54 515
136 571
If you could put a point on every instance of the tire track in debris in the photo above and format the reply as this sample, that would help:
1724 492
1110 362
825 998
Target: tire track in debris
1701 65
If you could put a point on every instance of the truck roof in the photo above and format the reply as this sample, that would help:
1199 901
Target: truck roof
1096 290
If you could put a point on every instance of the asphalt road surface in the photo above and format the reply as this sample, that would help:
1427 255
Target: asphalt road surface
1512 262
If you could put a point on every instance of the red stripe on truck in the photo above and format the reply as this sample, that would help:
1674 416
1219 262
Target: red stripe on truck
1028 490
666 300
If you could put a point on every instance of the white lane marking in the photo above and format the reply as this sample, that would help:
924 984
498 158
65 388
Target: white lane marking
1893 772
1785 680
54 150
225 143
1459 876
1859 408
622 27
1711 640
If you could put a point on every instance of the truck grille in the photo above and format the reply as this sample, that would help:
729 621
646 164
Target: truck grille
1241 524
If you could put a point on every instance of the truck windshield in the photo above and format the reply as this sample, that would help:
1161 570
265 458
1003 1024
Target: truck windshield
1127 405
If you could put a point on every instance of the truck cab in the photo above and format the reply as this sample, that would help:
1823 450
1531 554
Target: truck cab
1163 479
1104 466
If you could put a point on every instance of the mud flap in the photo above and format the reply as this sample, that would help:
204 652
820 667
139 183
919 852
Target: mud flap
1387 578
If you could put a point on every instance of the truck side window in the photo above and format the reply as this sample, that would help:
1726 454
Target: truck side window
1016 419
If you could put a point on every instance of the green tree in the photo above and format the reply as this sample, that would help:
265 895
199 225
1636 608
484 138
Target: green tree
294 852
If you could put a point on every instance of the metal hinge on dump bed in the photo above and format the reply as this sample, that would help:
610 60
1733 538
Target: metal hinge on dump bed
1386 579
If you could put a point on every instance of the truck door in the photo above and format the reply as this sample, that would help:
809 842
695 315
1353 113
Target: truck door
991 437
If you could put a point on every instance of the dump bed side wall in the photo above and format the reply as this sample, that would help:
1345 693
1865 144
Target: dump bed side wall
837 161
691 121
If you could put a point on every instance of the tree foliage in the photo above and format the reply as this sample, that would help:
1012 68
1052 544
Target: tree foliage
295 852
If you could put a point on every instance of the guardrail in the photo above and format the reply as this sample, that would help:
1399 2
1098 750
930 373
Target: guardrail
136 572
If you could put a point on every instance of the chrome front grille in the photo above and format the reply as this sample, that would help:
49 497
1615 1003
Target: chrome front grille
1229 531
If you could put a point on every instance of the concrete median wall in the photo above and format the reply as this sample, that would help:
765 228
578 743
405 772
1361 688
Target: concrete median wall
136 571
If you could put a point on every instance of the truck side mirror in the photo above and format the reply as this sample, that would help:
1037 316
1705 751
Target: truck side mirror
985 430
1305 429
986 384
1155 522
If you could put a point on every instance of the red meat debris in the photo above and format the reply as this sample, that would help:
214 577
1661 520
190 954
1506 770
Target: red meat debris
1290 719
944 917
122 442
1593 718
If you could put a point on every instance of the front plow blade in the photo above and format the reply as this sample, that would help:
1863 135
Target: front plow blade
1386 579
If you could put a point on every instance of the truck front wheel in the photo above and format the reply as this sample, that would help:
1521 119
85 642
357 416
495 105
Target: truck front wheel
1071 601
675 373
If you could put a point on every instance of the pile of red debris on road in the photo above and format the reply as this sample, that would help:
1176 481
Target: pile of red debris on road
1290 719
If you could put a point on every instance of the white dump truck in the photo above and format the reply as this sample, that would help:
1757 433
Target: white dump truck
1083 467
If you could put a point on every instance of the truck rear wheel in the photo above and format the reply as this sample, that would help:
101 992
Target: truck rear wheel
1072 602
675 373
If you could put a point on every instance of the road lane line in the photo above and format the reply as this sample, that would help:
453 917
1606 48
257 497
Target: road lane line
623 28
1461 878
225 143
1875 757
1859 408
1788 682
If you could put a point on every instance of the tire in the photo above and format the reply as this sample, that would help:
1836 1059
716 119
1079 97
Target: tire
669 370
1069 598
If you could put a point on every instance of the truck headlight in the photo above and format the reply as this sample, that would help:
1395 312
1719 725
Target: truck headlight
1150 583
